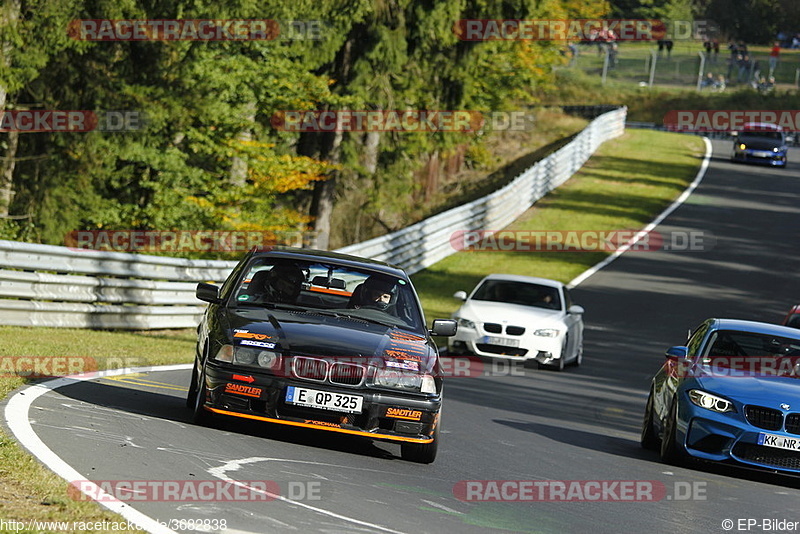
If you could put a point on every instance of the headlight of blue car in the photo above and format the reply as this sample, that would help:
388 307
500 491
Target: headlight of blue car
710 402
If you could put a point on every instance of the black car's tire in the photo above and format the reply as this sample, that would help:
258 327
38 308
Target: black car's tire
422 453
191 396
199 414
670 450
649 439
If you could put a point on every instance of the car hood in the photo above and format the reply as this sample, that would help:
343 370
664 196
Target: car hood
766 390
300 333
512 314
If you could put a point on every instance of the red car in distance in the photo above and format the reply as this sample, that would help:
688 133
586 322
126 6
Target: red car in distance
793 317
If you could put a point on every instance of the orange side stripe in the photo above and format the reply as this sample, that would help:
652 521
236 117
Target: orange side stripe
319 427
341 292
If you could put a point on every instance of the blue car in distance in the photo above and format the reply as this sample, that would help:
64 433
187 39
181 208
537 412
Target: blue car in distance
760 142
731 394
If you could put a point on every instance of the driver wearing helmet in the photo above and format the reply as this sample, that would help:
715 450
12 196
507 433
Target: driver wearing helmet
283 284
375 292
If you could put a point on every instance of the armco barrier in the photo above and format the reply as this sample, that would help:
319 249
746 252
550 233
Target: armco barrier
45 285
426 242
63 287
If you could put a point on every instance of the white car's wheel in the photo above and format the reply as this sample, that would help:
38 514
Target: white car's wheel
579 356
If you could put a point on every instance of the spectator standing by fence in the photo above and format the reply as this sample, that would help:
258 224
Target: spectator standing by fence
774 54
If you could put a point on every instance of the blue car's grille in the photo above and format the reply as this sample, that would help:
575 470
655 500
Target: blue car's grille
767 456
766 418
793 423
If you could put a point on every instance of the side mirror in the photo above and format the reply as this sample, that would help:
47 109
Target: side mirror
444 327
576 310
679 352
461 295
207 293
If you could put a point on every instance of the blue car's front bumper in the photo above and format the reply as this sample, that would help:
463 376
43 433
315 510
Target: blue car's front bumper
713 436
775 159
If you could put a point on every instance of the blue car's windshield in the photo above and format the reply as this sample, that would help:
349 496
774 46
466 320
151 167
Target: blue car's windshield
752 351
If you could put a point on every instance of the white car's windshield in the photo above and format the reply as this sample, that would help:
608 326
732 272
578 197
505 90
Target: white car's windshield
522 293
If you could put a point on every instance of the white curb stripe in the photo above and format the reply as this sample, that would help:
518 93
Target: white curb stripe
647 229
16 414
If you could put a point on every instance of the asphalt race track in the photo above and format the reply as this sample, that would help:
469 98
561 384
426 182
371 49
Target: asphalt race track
582 424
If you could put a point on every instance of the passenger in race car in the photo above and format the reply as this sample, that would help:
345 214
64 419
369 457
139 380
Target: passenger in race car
375 292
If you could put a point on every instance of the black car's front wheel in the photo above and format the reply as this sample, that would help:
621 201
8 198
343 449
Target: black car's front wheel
422 453
191 396
199 414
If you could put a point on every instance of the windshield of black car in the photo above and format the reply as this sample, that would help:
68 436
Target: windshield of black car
750 350
522 293
759 136
329 289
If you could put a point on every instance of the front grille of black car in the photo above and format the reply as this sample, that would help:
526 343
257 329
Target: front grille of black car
768 456
320 370
793 423
348 374
310 368
515 330
501 349
762 417
492 328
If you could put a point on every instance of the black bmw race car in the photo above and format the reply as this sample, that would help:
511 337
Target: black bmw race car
321 340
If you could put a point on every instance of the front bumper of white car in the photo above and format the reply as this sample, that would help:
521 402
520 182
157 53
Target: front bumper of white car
527 346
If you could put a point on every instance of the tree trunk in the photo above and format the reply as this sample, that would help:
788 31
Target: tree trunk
238 172
9 16
371 144
325 146
7 165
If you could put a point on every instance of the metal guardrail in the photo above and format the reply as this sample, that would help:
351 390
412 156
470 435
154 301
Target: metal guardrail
45 285
426 242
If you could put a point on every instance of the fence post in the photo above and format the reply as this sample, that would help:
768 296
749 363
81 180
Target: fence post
653 62
702 68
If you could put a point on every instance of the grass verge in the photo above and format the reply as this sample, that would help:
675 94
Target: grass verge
30 492
622 187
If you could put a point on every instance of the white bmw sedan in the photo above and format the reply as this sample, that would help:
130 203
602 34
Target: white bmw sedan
519 318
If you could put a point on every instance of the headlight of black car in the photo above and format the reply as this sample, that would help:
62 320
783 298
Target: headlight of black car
264 359
396 379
